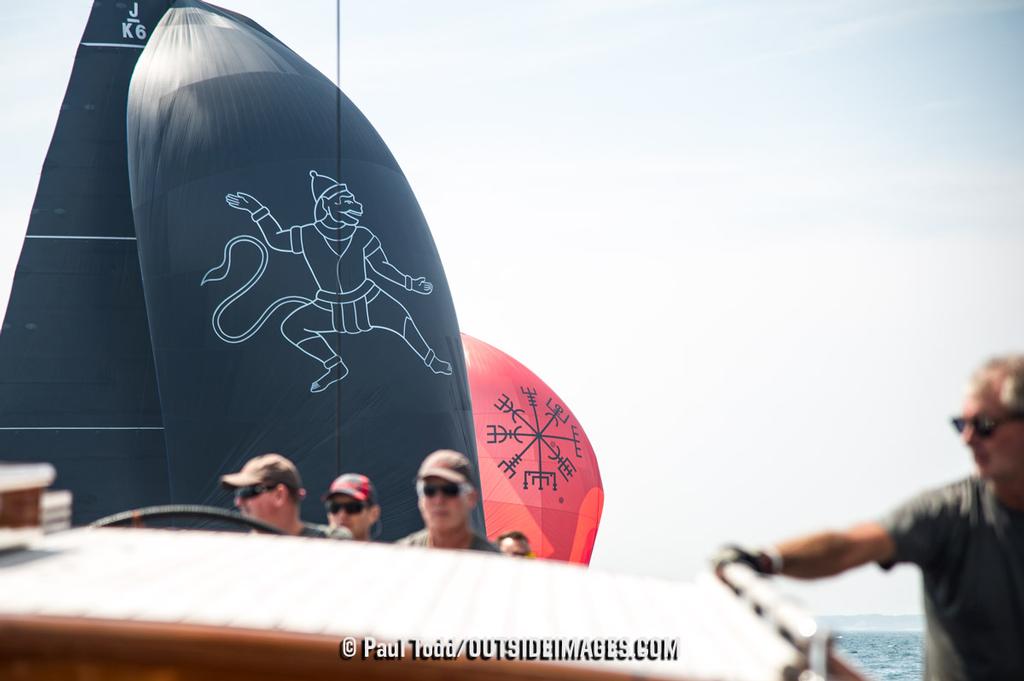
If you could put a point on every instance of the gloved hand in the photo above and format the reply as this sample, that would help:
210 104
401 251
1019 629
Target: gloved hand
758 561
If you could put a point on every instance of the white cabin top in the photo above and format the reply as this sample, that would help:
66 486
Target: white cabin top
335 589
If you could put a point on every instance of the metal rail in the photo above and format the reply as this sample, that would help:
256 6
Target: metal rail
791 621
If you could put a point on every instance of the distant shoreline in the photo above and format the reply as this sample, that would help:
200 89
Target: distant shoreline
873 622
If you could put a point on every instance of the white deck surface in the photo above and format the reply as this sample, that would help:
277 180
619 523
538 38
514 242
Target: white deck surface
388 592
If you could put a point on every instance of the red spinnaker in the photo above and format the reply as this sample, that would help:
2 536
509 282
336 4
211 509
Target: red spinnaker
538 472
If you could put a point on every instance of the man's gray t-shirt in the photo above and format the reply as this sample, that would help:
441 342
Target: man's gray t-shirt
970 548
422 538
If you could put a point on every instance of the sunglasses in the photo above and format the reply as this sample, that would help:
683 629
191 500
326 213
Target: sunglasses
983 426
350 507
449 489
251 491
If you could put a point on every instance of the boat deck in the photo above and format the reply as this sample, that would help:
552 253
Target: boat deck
287 604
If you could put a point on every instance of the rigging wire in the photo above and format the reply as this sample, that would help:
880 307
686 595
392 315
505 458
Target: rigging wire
337 178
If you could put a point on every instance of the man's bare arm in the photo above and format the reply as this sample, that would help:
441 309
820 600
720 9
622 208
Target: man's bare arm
830 553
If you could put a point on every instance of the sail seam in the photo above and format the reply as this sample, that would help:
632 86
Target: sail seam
79 236
134 47
81 427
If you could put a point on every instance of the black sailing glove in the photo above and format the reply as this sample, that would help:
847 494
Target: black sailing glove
758 561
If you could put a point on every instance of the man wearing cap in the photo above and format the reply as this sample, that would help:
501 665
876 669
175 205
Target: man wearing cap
351 503
446 499
269 488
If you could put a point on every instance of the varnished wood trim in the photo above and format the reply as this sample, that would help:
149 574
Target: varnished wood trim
37 648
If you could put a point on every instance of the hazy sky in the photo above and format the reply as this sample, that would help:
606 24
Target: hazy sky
755 246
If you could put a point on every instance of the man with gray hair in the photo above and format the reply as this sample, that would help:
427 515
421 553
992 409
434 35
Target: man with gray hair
967 537
447 496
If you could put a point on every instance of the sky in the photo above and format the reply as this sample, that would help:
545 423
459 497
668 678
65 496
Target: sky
760 245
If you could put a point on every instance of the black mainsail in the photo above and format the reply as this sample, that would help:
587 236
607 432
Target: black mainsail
77 382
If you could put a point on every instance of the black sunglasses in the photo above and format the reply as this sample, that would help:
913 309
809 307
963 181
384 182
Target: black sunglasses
250 491
450 489
983 425
350 507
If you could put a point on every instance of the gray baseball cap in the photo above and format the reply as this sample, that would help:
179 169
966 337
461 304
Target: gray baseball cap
447 464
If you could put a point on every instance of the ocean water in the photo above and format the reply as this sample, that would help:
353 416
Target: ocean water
884 655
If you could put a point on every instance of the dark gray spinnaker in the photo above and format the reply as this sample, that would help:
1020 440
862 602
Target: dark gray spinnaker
296 301
77 383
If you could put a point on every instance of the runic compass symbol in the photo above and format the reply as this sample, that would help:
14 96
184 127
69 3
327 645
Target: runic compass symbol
538 434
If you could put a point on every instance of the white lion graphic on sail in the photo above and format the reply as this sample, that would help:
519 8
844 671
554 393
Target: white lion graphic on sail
341 254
